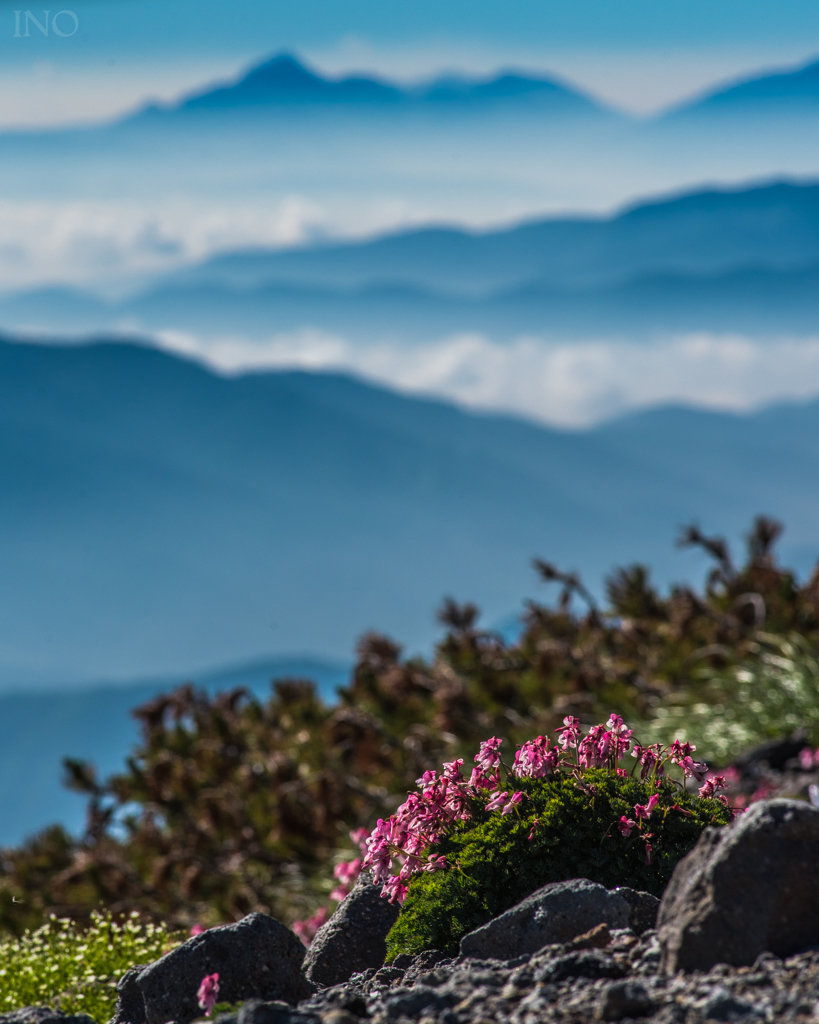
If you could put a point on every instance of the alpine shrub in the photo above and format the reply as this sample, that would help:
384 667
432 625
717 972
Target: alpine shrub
469 849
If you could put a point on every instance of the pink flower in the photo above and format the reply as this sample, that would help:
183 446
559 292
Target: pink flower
505 802
197 929
379 853
208 993
626 825
452 770
347 871
535 824
395 890
536 759
593 750
435 863
569 732
306 930
622 735
514 800
488 757
678 751
498 802
359 837
480 781
643 811
711 786
808 758
650 758
646 837
690 768
604 745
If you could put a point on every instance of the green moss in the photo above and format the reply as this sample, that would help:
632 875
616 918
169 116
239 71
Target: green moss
494 864
76 970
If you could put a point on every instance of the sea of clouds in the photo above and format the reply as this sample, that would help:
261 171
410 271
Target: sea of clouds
572 384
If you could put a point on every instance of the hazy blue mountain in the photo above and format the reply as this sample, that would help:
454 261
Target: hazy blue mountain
284 81
94 722
155 516
770 93
756 302
704 231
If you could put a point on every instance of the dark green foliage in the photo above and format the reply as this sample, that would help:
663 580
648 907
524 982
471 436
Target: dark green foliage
495 865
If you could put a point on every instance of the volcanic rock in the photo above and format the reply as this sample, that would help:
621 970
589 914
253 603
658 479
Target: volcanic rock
354 939
557 912
748 888
256 958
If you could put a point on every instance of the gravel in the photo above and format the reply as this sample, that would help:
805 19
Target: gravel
565 984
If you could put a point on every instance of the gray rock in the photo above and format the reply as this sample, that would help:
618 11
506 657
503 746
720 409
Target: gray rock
130 1008
748 888
275 1012
43 1015
414 1001
553 914
586 964
626 999
643 909
722 1006
254 1011
354 939
256 958
421 964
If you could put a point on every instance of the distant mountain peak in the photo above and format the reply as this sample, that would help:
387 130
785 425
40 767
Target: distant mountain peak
283 71
285 80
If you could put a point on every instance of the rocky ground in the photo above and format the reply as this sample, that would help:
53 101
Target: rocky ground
735 938
617 981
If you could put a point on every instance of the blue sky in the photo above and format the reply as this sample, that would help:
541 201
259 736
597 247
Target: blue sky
639 54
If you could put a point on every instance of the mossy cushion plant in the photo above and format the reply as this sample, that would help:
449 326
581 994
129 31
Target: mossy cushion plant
471 848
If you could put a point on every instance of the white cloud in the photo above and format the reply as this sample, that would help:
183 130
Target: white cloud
94 243
571 384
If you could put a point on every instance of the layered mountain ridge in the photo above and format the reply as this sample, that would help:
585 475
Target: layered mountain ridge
284 81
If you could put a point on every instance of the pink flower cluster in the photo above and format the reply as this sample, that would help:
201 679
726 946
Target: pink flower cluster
536 759
208 993
421 821
711 786
348 871
604 745
403 841
306 929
